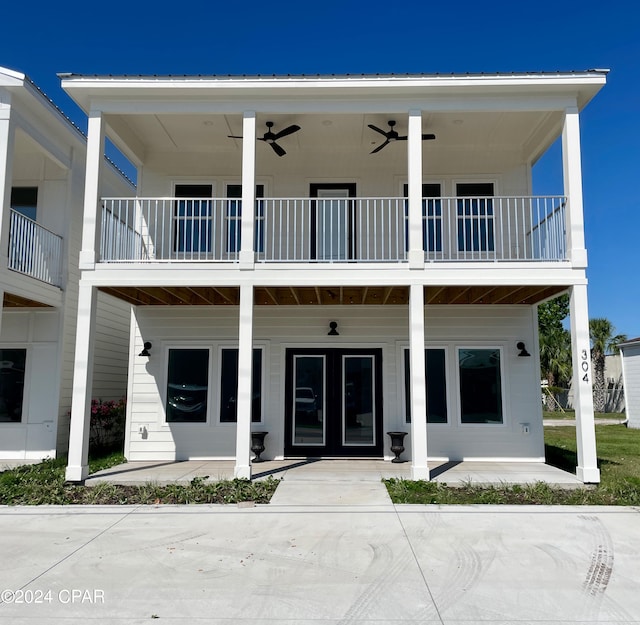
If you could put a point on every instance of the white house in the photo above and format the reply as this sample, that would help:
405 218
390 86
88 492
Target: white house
42 168
329 258
630 352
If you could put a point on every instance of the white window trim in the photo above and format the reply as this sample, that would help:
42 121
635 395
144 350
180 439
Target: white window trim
402 383
503 385
165 380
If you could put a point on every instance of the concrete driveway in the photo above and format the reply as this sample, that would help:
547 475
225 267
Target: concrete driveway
367 563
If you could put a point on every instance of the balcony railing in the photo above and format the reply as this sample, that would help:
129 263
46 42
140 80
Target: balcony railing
333 230
34 250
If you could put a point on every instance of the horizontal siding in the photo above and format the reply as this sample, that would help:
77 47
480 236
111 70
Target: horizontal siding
277 328
631 364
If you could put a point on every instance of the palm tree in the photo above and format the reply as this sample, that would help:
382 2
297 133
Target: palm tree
555 360
603 342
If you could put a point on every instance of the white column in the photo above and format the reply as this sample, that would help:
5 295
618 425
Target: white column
78 463
245 364
414 158
587 469
7 141
419 467
92 210
572 174
247 255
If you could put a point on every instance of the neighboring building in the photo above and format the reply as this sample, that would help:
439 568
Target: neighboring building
631 375
305 251
42 168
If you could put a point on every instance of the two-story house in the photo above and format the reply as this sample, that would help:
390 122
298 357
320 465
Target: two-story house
42 169
329 258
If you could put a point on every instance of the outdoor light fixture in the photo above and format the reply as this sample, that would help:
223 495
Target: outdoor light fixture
523 349
333 331
145 351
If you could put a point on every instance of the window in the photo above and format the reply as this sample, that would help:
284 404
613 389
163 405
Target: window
431 217
12 367
234 214
193 218
187 385
229 386
436 381
24 200
480 386
475 217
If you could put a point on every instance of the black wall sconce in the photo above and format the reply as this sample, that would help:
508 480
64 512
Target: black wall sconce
523 350
333 331
145 351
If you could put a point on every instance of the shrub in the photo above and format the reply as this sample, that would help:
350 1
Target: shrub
107 424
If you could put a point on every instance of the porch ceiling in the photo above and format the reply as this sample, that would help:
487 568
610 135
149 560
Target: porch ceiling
332 296
15 301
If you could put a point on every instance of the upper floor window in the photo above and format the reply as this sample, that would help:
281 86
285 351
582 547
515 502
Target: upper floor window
193 218
431 217
475 217
24 200
234 215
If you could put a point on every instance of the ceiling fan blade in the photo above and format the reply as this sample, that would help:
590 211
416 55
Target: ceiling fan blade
277 149
401 138
233 137
380 147
428 137
289 130
382 132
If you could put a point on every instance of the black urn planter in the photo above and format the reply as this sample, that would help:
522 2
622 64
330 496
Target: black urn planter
397 444
257 445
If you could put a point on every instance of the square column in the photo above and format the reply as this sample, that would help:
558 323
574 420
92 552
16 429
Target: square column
587 469
572 175
247 254
419 467
90 231
414 159
245 365
7 142
78 462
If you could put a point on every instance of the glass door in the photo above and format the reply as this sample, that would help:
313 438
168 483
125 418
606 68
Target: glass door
332 223
333 402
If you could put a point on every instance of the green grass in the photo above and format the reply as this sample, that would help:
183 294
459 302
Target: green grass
44 484
570 414
618 459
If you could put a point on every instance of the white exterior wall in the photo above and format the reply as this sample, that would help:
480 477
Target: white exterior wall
280 327
631 374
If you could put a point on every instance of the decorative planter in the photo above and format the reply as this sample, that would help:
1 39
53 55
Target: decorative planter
397 444
257 445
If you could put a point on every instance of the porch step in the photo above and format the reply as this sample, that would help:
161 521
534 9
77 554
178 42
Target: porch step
330 493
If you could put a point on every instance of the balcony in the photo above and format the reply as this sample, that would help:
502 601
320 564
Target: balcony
325 231
34 251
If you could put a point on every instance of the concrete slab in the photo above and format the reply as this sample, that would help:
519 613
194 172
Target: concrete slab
320 564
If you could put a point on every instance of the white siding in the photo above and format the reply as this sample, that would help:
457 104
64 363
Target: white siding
631 371
281 327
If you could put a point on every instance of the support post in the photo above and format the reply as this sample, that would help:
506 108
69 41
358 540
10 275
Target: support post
78 462
247 254
414 159
245 364
587 469
7 143
419 466
572 175
91 215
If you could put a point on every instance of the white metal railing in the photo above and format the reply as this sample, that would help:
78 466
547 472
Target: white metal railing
34 250
333 230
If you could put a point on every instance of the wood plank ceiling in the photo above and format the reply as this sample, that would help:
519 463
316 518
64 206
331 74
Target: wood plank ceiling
15 301
339 295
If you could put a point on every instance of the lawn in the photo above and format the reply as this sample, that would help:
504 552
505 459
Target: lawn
570 414
44 484
618 459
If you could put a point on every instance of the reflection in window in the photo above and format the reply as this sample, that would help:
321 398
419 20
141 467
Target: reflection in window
12 366
480 386
436 381
187 385
229 386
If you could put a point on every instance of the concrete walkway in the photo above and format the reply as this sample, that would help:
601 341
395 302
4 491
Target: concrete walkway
320 565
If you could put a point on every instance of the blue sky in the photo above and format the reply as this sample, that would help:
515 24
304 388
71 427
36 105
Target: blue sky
194 37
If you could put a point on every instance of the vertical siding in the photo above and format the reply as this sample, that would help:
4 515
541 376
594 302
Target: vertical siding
631 368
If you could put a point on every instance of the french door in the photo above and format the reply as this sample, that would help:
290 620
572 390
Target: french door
333 402
332 221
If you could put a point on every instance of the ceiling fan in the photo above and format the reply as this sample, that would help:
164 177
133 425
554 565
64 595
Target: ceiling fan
271 137
392 135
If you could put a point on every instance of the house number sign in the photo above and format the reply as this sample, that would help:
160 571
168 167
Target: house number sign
584 365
